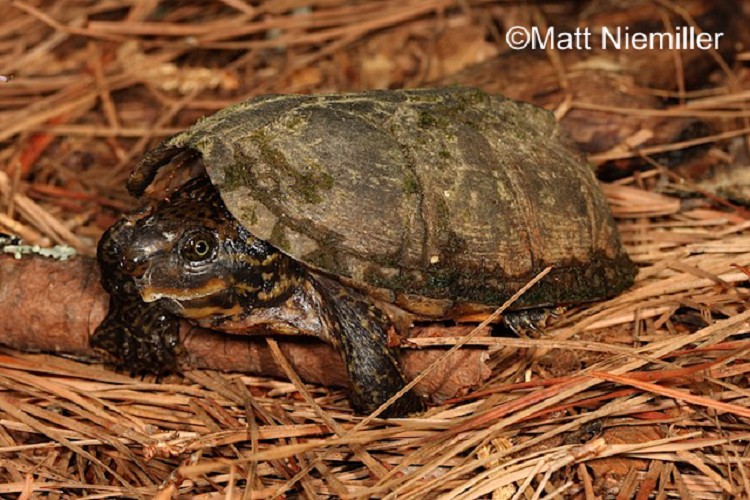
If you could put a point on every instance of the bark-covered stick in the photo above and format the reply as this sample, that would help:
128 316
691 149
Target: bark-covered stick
54 306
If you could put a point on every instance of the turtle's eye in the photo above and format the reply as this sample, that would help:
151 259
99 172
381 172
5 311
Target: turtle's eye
198 247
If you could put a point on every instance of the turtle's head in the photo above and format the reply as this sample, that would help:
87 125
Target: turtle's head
189 253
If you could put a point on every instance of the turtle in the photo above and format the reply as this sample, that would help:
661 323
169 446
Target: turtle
336 216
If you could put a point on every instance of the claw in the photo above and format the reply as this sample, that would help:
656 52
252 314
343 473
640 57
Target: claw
530 320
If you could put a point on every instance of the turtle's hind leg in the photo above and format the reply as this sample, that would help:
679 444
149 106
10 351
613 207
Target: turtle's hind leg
359 330
530 322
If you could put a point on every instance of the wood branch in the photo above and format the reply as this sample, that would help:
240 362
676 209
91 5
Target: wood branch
57 305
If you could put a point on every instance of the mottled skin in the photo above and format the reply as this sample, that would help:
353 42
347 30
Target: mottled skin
188 257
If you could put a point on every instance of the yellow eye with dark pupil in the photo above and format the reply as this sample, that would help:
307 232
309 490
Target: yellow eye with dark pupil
197 248
201 248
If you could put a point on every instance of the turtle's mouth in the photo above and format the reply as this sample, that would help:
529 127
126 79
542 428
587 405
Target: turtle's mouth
151 293
211 300
200 309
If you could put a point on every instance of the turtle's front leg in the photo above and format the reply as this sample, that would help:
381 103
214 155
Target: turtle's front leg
359 330
138 337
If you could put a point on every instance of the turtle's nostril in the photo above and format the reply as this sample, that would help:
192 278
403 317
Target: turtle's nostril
131 263
109 249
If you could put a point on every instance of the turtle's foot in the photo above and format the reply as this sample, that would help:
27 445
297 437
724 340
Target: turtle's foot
530 322
375 379
359 330
408 404
139 338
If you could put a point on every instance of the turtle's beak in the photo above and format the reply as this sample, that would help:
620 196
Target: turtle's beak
129 247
